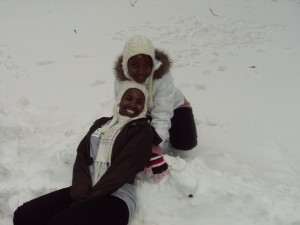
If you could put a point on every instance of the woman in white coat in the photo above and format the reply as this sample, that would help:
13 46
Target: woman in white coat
171 114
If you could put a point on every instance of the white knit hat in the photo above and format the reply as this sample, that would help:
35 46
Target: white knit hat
136 45
124 87
139 44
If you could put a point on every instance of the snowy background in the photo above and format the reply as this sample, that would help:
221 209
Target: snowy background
237 62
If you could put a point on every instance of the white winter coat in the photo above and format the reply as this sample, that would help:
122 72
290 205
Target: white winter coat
166 97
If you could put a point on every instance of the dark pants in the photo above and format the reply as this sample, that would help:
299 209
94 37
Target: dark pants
57 208
183 133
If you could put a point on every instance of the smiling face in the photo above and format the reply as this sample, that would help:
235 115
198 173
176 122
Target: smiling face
132 103
140 67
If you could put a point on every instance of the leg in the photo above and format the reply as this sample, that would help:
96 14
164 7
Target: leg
183 133
39 211
98 211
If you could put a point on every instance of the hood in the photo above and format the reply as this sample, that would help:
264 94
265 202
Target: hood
163 60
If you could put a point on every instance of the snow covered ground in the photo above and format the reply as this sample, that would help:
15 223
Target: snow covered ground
237 62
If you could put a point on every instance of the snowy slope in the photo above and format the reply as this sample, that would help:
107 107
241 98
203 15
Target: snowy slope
236 61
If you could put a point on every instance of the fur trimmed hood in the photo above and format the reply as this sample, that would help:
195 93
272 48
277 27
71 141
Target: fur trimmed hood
164 63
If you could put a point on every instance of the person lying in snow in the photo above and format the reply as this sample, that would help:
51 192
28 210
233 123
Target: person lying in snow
108 159
171 114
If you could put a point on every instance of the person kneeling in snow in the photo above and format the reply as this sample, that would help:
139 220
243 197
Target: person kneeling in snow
108 159
170 112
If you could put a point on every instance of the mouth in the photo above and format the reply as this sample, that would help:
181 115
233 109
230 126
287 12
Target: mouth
130 111
140 79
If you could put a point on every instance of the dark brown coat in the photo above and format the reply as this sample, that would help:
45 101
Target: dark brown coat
131 151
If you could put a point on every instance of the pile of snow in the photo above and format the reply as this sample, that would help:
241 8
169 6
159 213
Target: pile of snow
237 62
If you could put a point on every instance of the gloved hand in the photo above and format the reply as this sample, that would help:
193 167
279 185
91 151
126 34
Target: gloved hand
157 164
157 168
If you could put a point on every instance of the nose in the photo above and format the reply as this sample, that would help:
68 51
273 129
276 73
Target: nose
142 70
132 104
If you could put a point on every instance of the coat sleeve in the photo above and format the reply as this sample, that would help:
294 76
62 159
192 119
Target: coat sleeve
81 180
163 105
131 160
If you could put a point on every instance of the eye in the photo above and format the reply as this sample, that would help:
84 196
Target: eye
134 64
140 101
128 97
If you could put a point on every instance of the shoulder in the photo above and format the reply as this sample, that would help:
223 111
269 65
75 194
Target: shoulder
143 122
102 120
99 122
164 87
139 128
143 126
164 80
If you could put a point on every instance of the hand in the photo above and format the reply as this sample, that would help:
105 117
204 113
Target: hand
158 166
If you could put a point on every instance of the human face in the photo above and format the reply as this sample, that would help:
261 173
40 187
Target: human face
140 67
132 103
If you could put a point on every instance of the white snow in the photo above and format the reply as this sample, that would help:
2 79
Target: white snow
236 61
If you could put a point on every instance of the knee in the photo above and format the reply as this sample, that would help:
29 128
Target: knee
184 140
20 216
26 214
183 132
184 145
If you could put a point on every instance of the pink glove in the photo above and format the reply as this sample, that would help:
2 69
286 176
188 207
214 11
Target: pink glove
156 167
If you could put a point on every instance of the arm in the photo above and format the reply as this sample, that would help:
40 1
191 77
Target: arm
81 181
163 108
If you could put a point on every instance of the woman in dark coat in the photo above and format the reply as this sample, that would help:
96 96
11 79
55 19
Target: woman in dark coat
108 159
